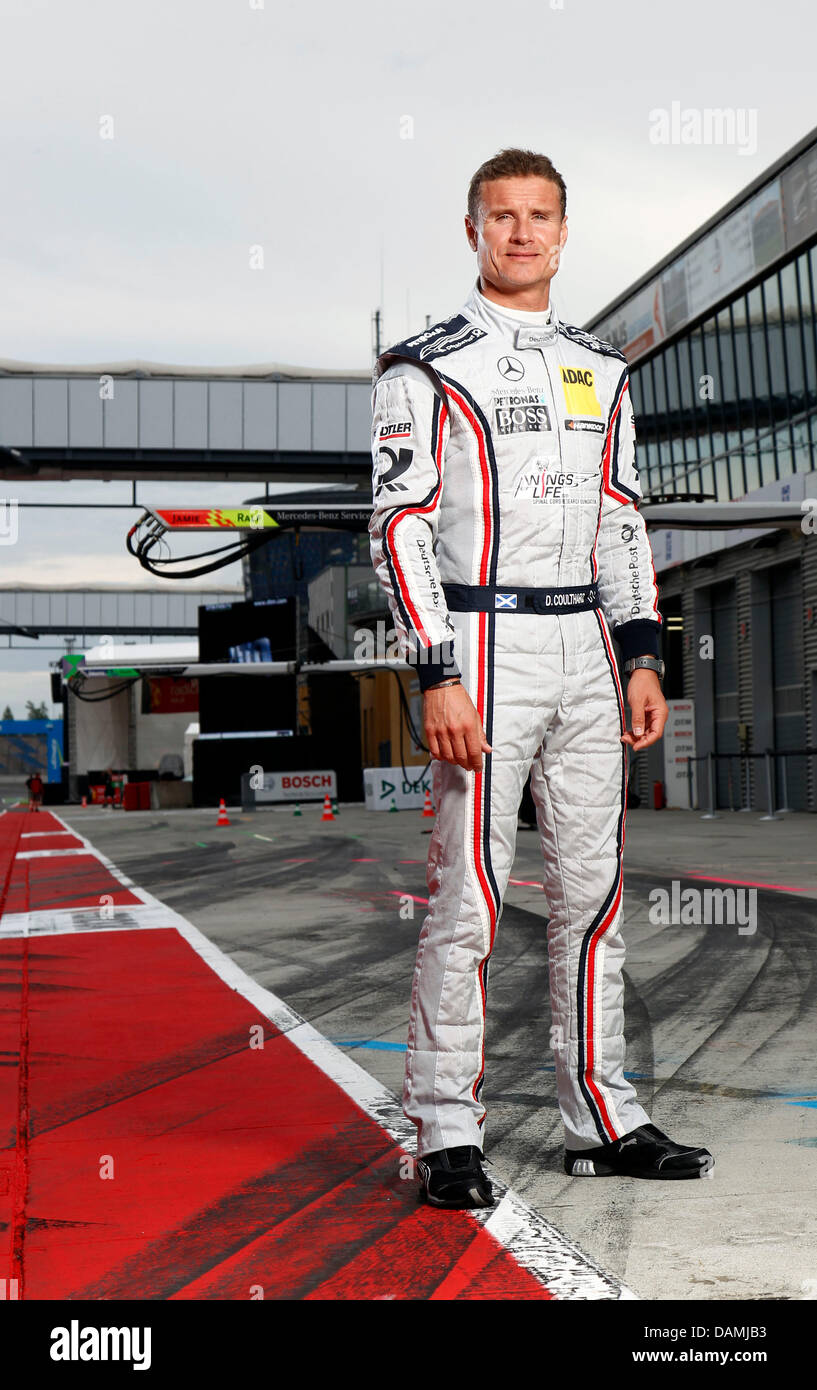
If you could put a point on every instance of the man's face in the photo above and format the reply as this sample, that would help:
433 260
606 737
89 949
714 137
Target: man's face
518 234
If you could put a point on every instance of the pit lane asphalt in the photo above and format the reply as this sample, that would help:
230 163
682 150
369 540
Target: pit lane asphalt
720 1025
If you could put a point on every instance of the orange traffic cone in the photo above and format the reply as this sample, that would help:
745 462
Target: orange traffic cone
85 801
428 809
327 809
223 818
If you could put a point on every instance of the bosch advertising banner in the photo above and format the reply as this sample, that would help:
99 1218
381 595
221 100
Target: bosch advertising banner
306 785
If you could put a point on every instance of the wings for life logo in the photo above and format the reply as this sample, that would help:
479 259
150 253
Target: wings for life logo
578 384
549 482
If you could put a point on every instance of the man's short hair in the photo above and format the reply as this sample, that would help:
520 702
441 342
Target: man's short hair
513 164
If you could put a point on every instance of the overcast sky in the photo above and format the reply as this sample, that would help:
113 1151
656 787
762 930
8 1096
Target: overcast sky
240 124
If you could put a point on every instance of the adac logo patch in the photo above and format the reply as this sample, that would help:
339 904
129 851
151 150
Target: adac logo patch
578 384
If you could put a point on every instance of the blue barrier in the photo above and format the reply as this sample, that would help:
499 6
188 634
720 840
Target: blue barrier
52 729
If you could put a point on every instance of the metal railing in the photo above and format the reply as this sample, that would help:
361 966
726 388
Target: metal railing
772 812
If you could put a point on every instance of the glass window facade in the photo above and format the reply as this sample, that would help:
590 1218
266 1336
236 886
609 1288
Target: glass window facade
731 404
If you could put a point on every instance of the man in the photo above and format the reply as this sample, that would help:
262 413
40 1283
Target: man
35 791
108 793
506 535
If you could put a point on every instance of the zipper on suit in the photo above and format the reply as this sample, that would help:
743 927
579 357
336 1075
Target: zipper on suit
558 433
557 617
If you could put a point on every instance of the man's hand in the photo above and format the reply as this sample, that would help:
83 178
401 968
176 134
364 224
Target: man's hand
453 728
648 708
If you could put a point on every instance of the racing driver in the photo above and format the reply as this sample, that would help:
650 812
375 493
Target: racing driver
506 535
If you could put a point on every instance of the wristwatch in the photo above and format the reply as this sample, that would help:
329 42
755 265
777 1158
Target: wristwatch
646 663
443 685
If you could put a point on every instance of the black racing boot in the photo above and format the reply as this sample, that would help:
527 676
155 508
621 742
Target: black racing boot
454 1178
643 1153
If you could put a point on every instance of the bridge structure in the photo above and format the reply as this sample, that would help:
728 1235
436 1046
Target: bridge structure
82 616
148 421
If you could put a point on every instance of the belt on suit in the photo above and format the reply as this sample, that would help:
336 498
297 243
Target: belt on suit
494 598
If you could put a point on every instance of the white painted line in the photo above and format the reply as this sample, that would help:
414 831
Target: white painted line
537 1245
562 1267
110 866
56 921
52 853
60 921
39 834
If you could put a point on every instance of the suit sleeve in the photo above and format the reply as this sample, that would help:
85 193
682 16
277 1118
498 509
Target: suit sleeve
409 433
628 588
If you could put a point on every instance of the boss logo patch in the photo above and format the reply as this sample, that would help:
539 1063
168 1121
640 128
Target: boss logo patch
522 419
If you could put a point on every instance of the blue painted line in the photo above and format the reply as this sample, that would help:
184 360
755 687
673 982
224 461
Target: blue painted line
374 1044
803 1104
781 1095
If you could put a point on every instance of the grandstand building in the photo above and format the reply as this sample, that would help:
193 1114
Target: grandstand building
720 337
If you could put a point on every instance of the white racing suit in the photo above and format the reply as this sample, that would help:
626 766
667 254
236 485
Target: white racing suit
506 536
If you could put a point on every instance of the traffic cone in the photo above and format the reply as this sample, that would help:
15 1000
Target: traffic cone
85 801
335 811
327 809
393 806
428 809
297 811
223 818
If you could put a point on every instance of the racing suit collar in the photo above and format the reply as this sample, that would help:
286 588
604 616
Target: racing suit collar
522 327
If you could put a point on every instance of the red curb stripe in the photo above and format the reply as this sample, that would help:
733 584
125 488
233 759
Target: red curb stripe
21 1162
72 881
406 1263
233 1166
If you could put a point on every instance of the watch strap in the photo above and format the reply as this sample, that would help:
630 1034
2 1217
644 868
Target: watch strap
645 663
